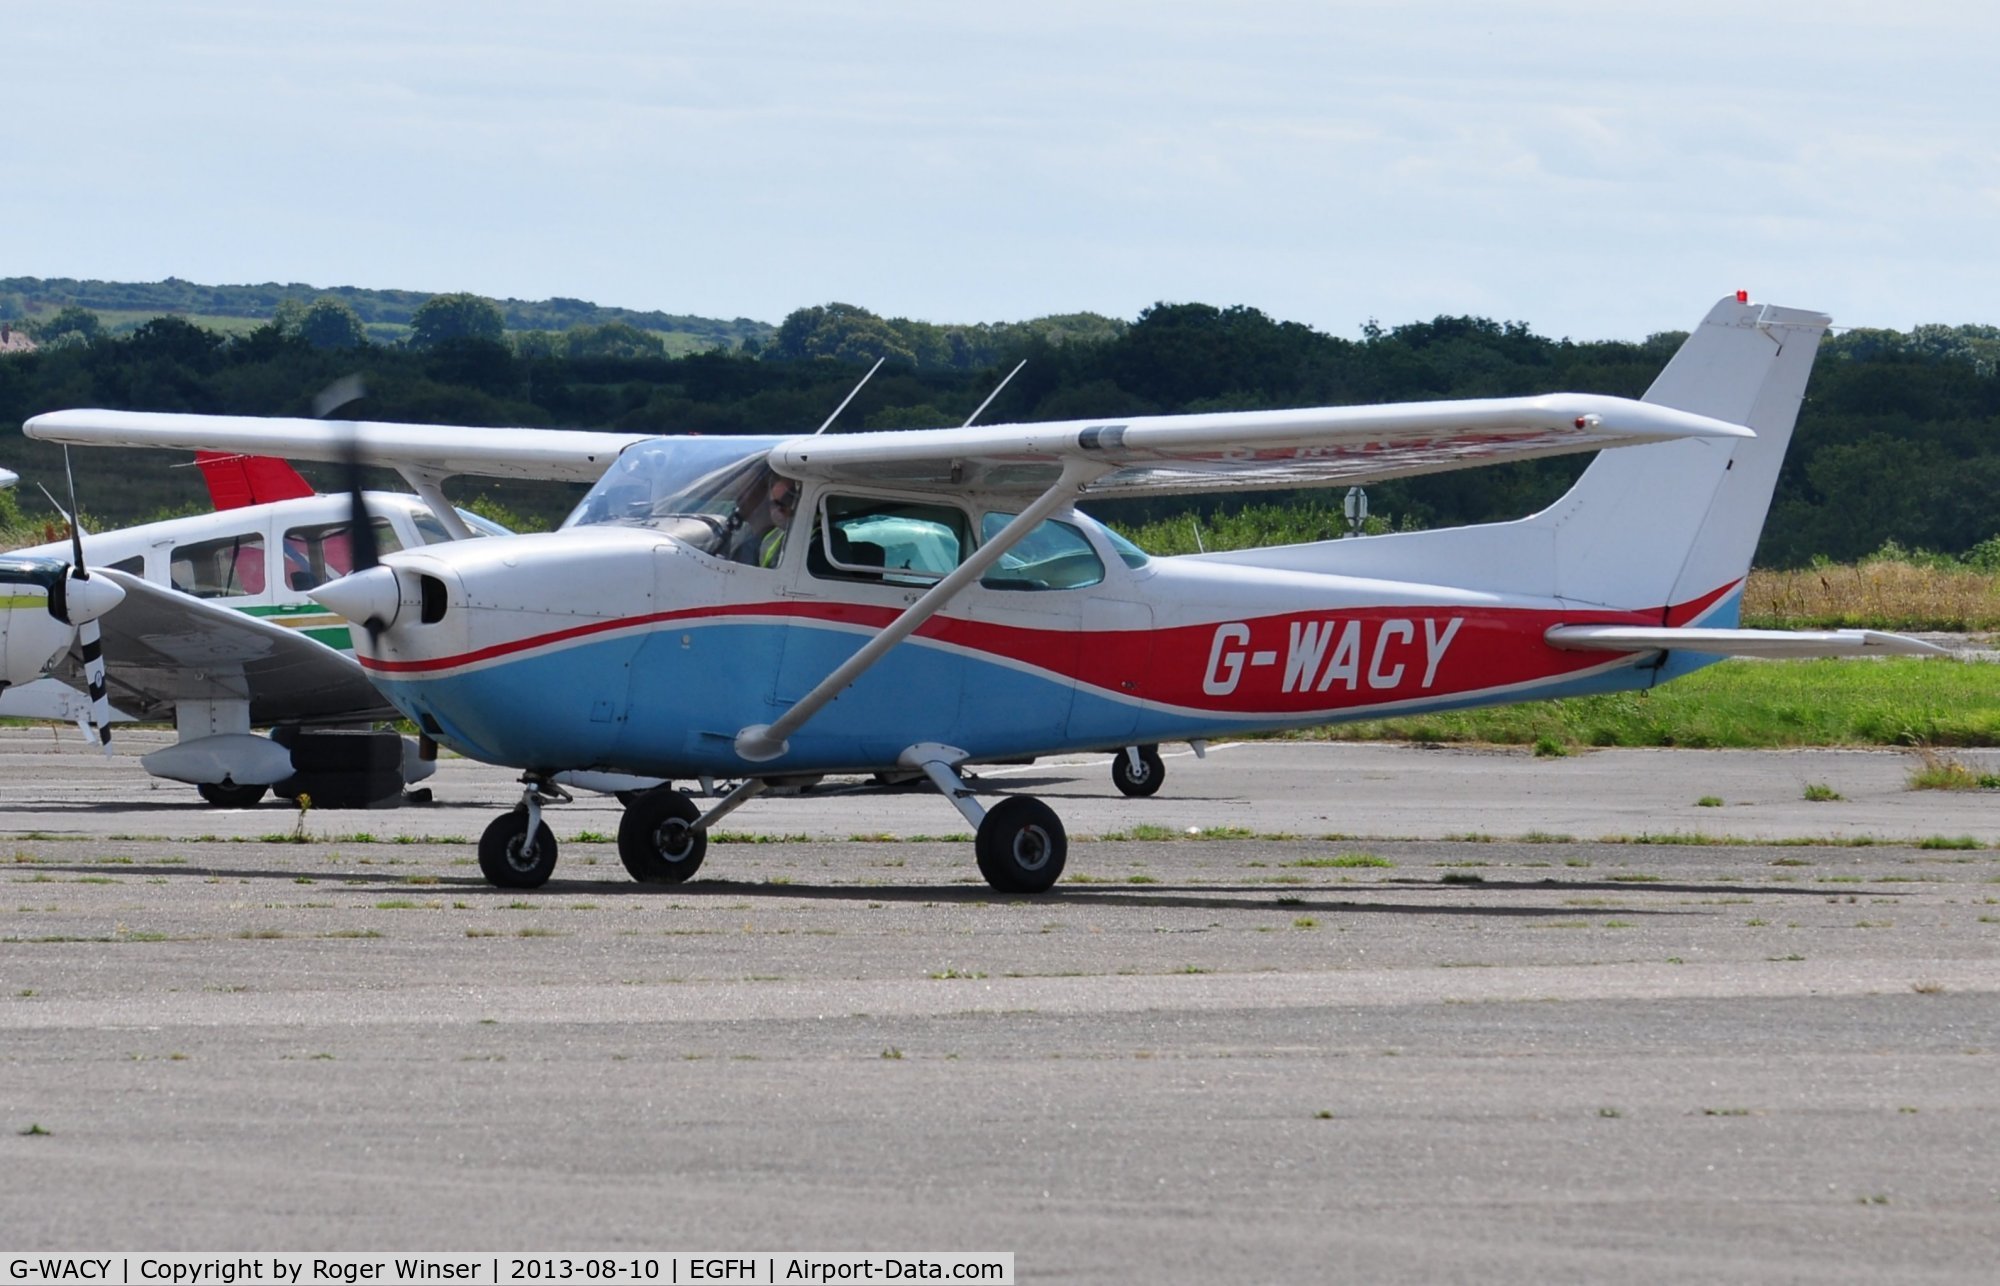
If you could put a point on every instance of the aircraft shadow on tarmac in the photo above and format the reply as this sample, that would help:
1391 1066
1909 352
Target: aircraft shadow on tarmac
1158 896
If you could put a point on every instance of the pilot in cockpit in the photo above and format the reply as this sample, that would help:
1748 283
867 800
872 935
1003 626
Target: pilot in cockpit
763 517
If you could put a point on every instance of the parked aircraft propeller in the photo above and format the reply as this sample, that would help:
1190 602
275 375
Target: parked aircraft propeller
89 635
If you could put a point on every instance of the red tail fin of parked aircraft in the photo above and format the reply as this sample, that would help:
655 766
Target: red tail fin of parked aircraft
235 480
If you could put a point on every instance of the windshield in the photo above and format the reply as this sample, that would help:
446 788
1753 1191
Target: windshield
1128 553
651 483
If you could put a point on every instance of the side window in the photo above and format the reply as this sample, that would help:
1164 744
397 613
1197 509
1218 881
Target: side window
226 568
1054 555
902 542
316 555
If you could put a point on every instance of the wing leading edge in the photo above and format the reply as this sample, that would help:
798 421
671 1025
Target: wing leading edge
442 450
162 647
1314 447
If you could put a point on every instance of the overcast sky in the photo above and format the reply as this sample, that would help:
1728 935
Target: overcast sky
1596 169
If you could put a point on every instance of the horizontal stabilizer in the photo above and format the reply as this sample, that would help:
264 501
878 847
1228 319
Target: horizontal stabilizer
1774 644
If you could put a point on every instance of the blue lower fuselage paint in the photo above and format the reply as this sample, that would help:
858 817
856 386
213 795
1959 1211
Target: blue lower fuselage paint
669 703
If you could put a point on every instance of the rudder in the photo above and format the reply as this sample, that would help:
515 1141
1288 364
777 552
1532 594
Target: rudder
1675 522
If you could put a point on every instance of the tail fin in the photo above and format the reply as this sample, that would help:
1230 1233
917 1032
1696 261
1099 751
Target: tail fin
1668 525
238 480
1672 523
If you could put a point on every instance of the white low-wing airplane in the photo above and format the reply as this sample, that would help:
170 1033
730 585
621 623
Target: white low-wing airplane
777 608
205 620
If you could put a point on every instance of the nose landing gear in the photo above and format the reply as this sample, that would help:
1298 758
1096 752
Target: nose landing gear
518 850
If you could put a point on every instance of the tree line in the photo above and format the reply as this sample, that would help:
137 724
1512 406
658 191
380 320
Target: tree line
1896 441
383 315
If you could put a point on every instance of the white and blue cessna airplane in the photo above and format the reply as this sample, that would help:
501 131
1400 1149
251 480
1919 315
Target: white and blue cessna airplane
776 608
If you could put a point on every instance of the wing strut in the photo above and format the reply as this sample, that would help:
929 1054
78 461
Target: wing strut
429 487
760 742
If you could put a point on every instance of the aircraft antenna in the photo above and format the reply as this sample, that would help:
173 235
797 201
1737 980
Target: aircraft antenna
995 393
850 397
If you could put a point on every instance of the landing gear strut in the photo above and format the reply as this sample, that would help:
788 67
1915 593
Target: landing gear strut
1020 842
518 851
1021 845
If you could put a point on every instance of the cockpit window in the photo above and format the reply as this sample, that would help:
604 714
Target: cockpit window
662 477
703 491
221 568
1054 555
316 555
433 533
1128 553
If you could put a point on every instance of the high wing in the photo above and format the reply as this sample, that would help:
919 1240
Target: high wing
1317 447
437 450
1324 446
162 647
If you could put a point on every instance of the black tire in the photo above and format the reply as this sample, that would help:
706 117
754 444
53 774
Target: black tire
657 840
228 794
1021 846
510 863
1144 782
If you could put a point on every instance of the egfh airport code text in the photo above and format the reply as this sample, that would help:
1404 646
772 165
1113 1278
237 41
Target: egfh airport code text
764 1268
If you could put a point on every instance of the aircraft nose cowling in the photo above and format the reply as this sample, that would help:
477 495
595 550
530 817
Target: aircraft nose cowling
31 632
86 600
369 599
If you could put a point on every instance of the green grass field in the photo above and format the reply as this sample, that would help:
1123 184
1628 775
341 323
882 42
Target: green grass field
1739 704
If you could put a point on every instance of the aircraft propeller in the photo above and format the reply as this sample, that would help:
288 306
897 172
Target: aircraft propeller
365 550
89 635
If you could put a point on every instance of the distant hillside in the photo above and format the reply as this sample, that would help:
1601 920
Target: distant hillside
126 305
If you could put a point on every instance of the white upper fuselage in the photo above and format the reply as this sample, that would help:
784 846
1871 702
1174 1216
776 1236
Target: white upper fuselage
260 559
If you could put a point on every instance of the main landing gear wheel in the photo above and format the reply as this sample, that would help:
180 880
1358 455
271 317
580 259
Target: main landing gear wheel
657 840
1142 780
1021 845
509 859
227 794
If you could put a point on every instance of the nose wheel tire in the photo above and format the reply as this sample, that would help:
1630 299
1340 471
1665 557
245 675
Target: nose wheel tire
510 859
1143 780
1021 846
657 840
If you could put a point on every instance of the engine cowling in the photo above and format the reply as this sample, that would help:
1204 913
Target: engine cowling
42 601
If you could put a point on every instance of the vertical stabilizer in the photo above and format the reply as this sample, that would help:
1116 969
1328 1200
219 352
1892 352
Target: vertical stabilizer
1673 522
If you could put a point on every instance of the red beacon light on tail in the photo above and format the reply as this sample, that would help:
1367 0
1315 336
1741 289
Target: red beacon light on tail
1742 296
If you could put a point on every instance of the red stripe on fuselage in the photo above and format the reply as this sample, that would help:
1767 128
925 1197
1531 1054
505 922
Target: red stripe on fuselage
1291 663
